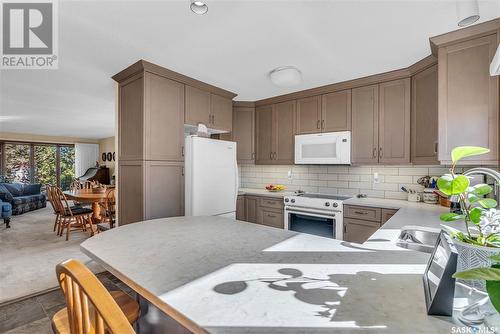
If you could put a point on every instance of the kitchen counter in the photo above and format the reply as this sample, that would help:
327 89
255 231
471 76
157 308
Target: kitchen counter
264 192
219 275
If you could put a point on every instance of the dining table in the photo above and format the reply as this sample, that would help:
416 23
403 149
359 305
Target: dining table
86 196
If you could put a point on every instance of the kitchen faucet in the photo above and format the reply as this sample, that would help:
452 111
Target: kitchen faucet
488 172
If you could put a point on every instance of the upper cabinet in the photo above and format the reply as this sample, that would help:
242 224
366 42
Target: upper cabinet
365 124
381 123
275 131
197 106
336 111
244 133
264 126
324 113
309 115
424 99
468 98
394 122
221 109
213 110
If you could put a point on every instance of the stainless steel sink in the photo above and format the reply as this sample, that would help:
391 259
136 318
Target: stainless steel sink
418 238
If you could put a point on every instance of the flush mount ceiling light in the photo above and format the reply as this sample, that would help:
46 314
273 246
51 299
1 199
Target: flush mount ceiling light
467 12
198 7
285 76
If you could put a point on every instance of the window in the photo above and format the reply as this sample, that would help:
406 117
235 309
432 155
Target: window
37 163
17 163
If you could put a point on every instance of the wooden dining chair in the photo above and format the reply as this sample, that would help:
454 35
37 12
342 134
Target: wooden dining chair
70 217
75 185
90 308
108 206
48 189
87 185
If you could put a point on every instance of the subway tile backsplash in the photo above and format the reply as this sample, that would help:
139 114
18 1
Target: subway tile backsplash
344 180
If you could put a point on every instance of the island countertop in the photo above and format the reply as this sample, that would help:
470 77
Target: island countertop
219 275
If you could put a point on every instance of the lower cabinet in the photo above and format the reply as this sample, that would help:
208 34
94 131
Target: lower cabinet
358 231
360 222
251 204
240 208
260 210
270 217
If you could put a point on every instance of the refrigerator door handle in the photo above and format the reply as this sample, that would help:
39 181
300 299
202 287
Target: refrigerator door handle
236 183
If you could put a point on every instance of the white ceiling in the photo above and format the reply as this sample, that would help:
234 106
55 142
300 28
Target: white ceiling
234 46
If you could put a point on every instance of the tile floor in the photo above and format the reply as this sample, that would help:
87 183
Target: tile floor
33 315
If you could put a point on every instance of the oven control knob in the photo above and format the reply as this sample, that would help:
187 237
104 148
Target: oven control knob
335 205
327 204
292 200
286 200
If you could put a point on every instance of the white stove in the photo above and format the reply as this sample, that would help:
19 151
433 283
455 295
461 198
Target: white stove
318 214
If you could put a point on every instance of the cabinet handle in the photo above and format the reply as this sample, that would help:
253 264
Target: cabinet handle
271 155
345 229
182 171
253 155
435 147
380 152
317 124
374 152
360 212
322 123
182 151
275 156
271 216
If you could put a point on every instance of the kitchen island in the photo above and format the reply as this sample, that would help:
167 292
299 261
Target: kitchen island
219 275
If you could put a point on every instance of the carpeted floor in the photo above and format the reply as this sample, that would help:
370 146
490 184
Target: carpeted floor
29 252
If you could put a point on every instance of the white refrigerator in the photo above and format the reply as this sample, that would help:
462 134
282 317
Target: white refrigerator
211 177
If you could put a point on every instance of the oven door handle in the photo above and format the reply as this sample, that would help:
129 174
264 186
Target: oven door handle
311 213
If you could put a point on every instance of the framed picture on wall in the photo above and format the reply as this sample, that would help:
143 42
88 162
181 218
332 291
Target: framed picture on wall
103 156
109 156
114 156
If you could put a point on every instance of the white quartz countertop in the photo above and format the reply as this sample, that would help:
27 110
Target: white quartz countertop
264 192
224 276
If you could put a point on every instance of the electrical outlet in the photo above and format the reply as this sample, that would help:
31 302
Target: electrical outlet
289 174
376 178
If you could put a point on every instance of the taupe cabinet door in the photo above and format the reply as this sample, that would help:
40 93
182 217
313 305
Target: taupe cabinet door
164 189
309 115
221 113
197 106
424 122
264 134
270 217
164 116
131 120
365 124
325 113
336 111
359 231
243 133
284 132
394 122
240 208
468 98
251 205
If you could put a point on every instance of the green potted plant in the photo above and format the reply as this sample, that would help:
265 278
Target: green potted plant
481 237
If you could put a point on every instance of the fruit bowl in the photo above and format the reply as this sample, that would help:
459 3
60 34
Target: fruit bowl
275 187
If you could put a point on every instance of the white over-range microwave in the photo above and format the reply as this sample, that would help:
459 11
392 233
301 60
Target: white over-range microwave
329 148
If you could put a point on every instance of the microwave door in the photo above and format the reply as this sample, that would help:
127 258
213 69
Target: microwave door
318 149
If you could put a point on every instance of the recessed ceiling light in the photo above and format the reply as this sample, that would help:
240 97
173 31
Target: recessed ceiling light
198 7
467 12
285 76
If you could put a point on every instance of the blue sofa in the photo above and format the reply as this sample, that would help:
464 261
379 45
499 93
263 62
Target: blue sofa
5 212
22 197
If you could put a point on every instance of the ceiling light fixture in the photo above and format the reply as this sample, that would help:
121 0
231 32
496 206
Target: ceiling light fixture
467 12
198 7
285 76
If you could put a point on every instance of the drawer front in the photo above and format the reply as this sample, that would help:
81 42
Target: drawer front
387 214
270 217
359 231
273 203
363 212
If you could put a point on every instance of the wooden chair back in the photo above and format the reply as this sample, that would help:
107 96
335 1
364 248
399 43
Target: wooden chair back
75 185
48 189
91 309
61 202
87 185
